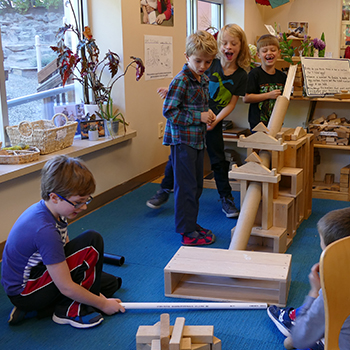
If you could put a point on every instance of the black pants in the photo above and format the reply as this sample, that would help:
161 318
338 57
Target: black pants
84 256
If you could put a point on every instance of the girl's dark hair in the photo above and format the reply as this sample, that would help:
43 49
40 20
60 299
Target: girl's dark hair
67 177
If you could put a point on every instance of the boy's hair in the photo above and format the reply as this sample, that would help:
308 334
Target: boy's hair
266 40
201 42
67 177
334 225
243 59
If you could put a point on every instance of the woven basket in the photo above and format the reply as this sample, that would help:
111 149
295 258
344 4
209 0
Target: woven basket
43 134
19 157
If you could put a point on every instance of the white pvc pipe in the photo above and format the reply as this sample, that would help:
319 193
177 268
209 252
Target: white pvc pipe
197 306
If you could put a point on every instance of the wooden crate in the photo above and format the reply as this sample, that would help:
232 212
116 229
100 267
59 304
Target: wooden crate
228 275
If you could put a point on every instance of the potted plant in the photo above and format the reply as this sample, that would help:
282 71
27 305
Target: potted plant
83 63
112 117
93 132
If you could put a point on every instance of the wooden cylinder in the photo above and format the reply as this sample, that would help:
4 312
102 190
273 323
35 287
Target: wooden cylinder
246 218
277 115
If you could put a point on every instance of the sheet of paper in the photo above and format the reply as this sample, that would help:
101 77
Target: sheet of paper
158 57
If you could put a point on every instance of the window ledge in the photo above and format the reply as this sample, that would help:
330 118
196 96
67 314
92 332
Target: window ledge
78 148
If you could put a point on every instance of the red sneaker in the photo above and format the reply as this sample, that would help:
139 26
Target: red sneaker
202 230
197 238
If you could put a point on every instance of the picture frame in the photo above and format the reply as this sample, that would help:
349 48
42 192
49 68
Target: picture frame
299 27
73 111
85 126
345 34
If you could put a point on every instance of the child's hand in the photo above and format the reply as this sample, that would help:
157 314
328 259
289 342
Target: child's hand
111 306
274 94
160 18
162 92
208 117
315 282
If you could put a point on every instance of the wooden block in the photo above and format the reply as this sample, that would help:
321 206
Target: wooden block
199 334
176 335
344 178
298 133
291 183
299 209
272 240
185 344
216 344
335 187
294 156
228 275
283 214
345 170
140 346
201 347
145 334
344 189
164 331
156 345
328 179
344 185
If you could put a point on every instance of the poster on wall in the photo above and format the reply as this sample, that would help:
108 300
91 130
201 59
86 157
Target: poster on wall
157 12
158 57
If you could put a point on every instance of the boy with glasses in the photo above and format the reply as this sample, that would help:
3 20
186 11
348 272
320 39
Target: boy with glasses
43 272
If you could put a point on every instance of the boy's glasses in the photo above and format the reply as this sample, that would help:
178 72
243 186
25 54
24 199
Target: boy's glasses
77 205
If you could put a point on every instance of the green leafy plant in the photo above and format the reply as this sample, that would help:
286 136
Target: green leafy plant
83 64
287 51
107 112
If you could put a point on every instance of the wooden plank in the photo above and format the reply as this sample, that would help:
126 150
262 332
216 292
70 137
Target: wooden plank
222 262
145 334
216 344
164 331
156 345
185 344
174 343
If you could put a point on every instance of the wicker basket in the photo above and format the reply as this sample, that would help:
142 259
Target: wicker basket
19 157
44 134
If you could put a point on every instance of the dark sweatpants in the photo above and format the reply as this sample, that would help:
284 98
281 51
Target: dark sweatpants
84 256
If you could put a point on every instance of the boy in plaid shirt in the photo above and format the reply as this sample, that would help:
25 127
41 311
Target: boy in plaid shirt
186 108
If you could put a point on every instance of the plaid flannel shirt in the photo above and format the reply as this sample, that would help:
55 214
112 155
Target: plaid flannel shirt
186 99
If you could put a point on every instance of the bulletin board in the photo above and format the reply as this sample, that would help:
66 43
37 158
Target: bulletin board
325 76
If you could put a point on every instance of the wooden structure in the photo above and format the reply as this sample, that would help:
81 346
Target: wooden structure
334 272
227 275
162 336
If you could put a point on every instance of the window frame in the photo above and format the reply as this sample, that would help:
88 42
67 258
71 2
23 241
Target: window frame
192 14
80 7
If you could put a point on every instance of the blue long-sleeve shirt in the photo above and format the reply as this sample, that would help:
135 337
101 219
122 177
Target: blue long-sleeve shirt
310 325
186 99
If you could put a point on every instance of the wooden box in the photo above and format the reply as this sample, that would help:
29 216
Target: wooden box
228 275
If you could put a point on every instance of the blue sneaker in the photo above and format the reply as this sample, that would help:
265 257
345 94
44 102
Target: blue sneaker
280 317
17 315
90 320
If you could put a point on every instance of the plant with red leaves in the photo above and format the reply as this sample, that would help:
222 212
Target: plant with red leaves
84 64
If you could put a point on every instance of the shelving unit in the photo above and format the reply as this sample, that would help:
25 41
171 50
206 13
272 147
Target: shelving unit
318 192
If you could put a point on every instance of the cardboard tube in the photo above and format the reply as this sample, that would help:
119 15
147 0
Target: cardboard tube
277 115
246 217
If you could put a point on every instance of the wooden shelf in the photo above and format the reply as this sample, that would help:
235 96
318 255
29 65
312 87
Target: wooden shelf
343 148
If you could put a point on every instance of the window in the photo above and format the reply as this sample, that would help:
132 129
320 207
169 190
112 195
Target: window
202 14
26 36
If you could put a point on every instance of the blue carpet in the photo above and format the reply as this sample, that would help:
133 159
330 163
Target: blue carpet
147 240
